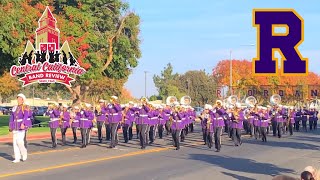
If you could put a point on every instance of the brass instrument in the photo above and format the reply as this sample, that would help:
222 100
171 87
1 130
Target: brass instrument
61 119
185 100
144 101
232 101
171 100
251 101
275 99
218 103
98 109
236 115
315 103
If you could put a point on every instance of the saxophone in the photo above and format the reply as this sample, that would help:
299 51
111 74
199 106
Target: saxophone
61 119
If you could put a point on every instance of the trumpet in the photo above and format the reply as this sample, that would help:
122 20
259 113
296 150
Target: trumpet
98 109
144 101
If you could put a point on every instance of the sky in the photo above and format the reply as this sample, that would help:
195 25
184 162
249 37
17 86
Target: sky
196 35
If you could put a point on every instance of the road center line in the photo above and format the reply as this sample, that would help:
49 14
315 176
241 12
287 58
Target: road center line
84 162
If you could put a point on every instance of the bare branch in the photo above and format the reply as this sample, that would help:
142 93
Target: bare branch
111 39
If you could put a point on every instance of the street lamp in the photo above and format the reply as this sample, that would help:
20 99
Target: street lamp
231 65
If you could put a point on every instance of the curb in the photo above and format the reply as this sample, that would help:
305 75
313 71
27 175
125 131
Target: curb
58 135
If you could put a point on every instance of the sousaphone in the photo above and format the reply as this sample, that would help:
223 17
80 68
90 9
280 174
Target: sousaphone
251 101
275 99
171 100
185 100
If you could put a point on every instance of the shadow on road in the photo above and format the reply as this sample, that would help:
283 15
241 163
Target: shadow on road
285 144
305 138
240 164
6 156
237 176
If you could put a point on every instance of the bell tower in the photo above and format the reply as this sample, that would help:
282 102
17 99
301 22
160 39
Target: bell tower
47 32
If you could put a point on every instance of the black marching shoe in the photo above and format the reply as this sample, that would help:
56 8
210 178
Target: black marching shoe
82 146
100 141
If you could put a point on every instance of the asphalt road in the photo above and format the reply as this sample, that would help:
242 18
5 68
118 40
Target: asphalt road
252 160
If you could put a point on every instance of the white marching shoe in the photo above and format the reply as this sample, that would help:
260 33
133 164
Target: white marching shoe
24 158
15 161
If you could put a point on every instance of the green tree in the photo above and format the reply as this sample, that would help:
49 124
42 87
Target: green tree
199 85
102 34
167 83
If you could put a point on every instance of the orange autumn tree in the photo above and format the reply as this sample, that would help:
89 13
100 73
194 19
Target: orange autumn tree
126 95
242 79
8 86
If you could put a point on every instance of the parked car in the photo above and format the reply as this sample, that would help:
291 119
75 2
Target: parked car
7 110
40 110
198 110
4 111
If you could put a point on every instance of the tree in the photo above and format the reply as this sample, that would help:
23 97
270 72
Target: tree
167 82
242 79
8 86
95 29
199 85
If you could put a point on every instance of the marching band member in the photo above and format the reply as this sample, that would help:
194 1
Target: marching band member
64 123
28 124
210 125
132 118
100 113
269 108
17 126
75 119
313 118
272 113
142 122
298 119
114 118
204 118
168 112
304 118
153 121
256 122
86 124
54 114
183 120
126 122
279 120
236 116
264 123
251 120
176 126
292 116
218 126
162 121
193 116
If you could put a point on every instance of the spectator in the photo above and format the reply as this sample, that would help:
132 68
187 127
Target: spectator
306 175
315 173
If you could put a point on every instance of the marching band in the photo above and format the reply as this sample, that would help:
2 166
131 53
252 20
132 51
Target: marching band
174 117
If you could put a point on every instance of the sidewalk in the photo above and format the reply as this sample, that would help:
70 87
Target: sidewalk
47 135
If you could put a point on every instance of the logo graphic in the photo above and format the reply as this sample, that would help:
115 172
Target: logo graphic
286 44
47 62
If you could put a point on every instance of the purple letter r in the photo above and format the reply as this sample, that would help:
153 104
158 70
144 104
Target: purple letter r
269 41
